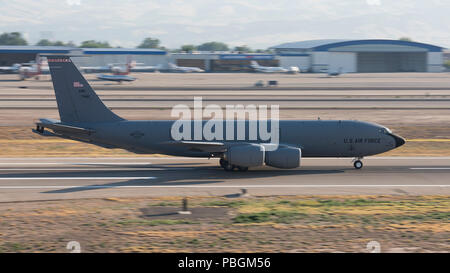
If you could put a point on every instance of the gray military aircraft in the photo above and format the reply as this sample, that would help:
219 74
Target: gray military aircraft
85 118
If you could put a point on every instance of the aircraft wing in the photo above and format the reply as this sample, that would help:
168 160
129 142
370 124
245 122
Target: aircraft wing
144 68
94 69
215 147
117 78
201 146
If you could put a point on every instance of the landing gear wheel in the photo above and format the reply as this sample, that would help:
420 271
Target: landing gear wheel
358 164
228 167
223 162
242 169
40 129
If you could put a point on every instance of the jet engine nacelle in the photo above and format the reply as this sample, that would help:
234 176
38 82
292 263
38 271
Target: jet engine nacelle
250 155
284 157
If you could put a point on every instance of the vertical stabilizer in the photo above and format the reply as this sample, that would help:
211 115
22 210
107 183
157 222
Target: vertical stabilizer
77 101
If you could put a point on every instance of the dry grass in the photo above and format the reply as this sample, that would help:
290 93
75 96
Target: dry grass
273 224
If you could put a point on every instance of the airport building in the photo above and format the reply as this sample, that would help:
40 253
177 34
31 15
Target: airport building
10 55
223 61
363 56
105 56
310 56
446 55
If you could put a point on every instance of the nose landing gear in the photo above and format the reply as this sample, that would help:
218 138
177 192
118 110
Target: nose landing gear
357 163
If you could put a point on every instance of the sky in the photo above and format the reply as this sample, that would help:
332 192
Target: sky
255 23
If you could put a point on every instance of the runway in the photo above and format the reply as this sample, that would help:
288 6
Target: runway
412 104
386 98
25 179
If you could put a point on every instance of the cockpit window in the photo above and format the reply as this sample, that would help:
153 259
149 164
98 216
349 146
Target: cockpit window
385 131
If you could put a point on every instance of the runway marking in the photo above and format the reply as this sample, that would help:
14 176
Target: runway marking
96 169
14 141
79 178
75 163
428 140
431 168
163 157
102 158
221 186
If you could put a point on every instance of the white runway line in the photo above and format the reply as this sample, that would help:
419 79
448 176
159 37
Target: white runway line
75 163
203 158
94 169
224 186
104 158
78 178
431 168
78 169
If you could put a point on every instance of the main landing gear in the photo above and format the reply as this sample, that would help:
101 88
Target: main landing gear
40 129
229 167
357 163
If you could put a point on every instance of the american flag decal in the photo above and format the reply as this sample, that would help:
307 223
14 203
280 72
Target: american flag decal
77 84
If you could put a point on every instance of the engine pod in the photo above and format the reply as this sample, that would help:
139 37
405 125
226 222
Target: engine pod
250 155
284 157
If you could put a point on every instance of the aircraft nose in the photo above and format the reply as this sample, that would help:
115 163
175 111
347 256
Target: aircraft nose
399 141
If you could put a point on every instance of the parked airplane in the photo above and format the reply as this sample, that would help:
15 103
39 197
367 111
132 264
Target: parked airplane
33 69
335 73
139 67
85 118
10 69
115 68
119 74
273 69
184 69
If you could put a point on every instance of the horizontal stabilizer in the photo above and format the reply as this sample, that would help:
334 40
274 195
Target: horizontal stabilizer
58 127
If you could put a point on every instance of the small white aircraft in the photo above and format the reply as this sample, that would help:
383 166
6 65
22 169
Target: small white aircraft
33 69
184 69
115 68
119 73
273 69
120 69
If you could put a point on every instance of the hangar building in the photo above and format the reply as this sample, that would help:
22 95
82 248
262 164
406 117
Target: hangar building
10 55
377 55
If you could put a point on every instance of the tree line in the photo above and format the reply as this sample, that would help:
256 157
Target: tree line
16 38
